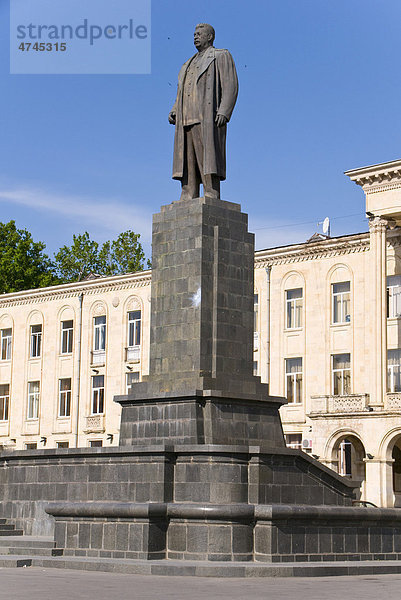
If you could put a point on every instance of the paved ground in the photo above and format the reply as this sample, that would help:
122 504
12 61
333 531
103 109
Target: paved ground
43 584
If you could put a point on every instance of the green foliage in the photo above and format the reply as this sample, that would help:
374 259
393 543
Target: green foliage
84 257
23 264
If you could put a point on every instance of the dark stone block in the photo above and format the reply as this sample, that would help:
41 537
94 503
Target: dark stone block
84 535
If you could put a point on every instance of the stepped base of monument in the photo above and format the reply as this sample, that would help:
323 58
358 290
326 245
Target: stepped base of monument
226 532
200 419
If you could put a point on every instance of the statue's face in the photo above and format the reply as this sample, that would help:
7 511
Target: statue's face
202 38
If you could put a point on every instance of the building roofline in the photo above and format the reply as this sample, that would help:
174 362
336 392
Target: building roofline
328 241
76 288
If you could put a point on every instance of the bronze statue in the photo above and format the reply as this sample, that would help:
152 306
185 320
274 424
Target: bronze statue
206 96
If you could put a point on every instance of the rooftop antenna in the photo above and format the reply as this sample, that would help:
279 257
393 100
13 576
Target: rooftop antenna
326 226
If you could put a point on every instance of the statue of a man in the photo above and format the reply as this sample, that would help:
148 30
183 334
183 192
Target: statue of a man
206 96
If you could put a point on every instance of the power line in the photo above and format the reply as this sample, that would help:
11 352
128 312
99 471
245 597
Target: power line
307 222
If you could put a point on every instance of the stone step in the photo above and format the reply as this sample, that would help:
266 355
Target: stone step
26 541
8 532
32 551
8 561
216 569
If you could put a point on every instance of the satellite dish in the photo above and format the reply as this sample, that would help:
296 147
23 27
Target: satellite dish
326 226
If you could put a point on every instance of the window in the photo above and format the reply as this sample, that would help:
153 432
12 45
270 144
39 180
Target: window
97 394
255 311
293 380
95 443
394 296
99 342
345 458
4 401
67 335
293 440
31 446
255 367
64 398
341 302
33 399
341 374
36 341
394 370
132 378
6 336
294 302
62 444
134 328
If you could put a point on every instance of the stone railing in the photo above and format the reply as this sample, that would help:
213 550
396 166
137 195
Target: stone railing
393 401
256 340
339 404
133 354
98 357
94 424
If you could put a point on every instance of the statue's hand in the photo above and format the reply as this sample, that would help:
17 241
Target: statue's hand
171 118
221 120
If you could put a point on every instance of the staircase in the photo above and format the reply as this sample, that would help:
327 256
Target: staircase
18 550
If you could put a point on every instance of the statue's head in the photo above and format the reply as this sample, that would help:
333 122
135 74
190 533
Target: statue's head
203 36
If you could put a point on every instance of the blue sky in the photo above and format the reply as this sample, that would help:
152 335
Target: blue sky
319 94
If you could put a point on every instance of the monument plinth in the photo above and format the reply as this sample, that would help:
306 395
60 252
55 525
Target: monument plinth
201 387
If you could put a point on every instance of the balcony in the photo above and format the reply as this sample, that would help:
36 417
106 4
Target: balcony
352 403
94 424
393 401
133 354
255 341
98 357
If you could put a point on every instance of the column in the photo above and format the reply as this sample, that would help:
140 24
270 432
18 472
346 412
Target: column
378 358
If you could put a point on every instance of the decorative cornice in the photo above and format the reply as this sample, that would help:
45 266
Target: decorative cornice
74 290
377 178
317 250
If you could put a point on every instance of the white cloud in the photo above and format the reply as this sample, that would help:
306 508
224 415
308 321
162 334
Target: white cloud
110 214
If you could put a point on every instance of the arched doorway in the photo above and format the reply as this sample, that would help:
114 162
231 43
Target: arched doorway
396 456
348 455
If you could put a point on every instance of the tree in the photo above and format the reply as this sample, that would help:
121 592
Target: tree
23 264
84 257
78 261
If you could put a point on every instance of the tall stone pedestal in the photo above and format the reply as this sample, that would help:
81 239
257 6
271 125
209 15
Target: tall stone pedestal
201 387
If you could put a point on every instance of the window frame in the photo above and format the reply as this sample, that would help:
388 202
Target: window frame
97 396
340 298
390 295
294 309
99 334
4 403
341 370
6 342
35 341
33 402
391 371
64 399
67 335
127 375
296 379
134 331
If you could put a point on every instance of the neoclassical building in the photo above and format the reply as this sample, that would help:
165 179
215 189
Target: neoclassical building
327 336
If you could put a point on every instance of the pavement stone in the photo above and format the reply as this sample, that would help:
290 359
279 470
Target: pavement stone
37 584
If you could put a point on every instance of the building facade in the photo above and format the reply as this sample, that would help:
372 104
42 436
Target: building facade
327 336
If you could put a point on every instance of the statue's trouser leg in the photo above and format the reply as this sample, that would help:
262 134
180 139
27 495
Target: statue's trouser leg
191 178
211 183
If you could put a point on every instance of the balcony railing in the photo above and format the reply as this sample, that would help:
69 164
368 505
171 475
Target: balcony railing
98 357
94 424
393 401
256 340
350 403
133 354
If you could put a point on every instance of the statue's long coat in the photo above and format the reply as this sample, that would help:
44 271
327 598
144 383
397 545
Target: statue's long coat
217 90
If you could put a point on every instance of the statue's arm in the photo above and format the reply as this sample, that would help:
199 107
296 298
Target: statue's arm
229 84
